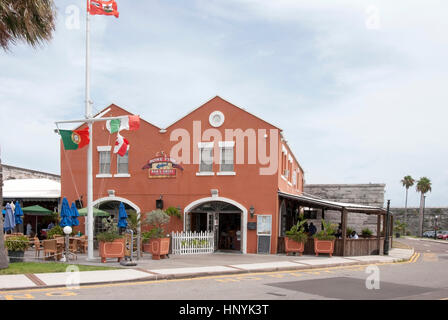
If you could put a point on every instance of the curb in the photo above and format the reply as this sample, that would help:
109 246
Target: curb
158 277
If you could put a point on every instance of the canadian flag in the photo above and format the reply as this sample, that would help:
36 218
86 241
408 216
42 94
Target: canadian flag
121 145
103 7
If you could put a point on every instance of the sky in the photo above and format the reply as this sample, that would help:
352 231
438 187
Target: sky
358 87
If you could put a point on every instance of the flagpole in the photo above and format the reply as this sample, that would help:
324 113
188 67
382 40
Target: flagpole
90 145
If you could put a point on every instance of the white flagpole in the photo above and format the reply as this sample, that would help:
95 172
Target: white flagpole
90 148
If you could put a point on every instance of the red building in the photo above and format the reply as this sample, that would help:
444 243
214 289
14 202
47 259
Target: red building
221 165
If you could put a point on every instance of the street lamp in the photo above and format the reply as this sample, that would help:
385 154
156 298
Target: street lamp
67 231
423 222
435 227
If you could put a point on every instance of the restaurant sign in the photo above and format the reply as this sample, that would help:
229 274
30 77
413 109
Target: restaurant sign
162 167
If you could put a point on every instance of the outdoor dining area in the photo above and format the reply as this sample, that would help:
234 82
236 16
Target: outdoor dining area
57 246
375 244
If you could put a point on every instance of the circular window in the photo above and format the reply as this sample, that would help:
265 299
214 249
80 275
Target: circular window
216 119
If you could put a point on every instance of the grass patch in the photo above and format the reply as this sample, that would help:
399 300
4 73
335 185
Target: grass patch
47 267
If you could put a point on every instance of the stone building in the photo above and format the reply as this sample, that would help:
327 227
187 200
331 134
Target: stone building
371 194
11 172
429 214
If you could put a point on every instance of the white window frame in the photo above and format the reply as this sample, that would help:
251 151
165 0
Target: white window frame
104 149
223 145
123 175
201 146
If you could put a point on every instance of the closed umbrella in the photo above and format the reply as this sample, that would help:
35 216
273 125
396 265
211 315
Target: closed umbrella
66 214
122 216
18 213
10 222
75 215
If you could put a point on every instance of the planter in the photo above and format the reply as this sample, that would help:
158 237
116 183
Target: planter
114 249
323 246
16 256
159 248
293 246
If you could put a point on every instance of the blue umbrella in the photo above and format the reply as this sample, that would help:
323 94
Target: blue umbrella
122 216
66 214
10 223
75 215
18 213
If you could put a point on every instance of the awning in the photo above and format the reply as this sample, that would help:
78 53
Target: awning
31 188
332 205
96 212
36 211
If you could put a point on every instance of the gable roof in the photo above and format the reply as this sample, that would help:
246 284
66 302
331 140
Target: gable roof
219 98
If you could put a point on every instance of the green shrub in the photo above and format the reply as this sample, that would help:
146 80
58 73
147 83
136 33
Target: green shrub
154 233
55 231
327 233
366 232
297 232
17 243
111 231
173 212
156 219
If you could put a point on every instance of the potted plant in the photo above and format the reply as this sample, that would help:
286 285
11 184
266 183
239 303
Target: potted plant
156 242
324 239
366 233
110 242
173 212
295 238
16 246
399 228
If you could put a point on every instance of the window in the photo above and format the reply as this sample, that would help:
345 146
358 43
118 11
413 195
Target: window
206 157
123 163
104 162
226 159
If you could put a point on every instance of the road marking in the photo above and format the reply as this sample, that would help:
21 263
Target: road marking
430 257
19 296
61 294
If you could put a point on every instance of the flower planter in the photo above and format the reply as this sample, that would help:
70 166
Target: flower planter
16 256
293 246
114 249
323 246
159 248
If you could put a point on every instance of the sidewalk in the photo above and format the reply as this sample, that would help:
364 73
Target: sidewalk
191 266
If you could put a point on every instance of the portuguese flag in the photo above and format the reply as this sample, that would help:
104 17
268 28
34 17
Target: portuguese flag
75 139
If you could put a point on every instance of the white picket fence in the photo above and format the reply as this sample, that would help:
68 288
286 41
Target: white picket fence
193 242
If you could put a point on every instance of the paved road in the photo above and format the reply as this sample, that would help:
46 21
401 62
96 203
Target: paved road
424 277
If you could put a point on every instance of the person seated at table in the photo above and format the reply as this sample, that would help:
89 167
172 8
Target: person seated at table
338 233
50 226
353 235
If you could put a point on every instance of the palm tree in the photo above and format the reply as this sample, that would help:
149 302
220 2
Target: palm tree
32 21
407 182
3 257
423 186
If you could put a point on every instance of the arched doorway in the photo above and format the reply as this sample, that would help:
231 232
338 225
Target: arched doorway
225 217
111 205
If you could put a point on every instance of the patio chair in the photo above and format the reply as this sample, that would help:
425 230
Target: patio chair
50 248
82 244
37 247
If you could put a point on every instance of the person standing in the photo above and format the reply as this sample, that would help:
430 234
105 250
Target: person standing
312 229
28 229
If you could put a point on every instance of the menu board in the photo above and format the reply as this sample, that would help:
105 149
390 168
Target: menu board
264 225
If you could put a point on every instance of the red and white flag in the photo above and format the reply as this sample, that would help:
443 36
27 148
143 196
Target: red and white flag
103 7
121 145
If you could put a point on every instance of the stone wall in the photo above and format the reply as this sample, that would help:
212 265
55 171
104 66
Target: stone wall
428 224
10 172
364 194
